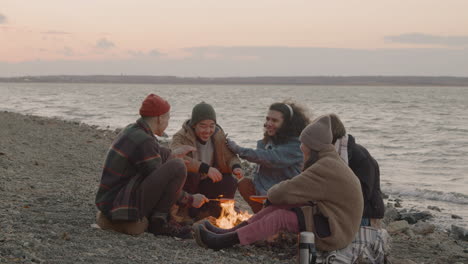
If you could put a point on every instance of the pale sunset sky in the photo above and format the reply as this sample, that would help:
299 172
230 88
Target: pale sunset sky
234 38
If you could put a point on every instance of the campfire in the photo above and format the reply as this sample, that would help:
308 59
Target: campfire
229 217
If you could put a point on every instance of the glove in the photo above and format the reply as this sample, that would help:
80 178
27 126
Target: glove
232 146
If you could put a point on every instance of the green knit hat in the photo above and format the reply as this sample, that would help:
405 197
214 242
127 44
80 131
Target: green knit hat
202 111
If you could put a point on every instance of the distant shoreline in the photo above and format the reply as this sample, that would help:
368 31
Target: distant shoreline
260 80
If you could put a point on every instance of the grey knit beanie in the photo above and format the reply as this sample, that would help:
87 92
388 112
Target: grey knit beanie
202 111
318 134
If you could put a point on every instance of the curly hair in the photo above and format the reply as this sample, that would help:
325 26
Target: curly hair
292 126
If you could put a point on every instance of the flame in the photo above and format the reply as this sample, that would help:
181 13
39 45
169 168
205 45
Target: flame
229 217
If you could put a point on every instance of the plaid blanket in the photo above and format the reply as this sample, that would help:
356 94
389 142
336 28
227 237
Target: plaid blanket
369 246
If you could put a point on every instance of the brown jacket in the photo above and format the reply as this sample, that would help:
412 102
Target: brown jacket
224 159
336 191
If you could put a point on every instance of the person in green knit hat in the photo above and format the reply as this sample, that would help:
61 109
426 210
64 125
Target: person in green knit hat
211 166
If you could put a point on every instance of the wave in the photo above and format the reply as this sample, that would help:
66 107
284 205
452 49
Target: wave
451 197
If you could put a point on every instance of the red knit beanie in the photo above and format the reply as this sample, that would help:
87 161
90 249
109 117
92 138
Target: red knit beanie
154 105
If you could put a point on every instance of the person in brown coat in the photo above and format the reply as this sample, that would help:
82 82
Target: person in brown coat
211 166
325 199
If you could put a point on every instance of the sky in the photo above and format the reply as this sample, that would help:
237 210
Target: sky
234 38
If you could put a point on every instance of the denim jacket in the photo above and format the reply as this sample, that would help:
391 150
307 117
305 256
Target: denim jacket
275 163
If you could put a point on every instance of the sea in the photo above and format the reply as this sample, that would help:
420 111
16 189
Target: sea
418 135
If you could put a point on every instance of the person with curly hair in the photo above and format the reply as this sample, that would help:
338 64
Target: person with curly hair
278 155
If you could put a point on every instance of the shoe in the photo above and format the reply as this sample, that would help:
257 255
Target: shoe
210 227
159 226
208 239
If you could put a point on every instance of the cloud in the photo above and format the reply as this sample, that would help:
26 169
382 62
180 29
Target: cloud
55 32
151 53
104 44
67 51
154 53
264 61
3 19
420 38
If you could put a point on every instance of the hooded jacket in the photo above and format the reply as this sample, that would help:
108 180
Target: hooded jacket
332 197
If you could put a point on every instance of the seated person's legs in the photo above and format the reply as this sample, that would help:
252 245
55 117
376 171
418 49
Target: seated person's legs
225 188
270 224
246 189
277 220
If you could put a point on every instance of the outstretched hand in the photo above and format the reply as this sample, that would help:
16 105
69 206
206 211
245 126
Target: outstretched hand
232 145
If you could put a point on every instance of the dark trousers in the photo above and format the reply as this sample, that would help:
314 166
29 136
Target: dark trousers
161 189
225 188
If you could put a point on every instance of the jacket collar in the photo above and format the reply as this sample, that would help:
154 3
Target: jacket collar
143 125
326 151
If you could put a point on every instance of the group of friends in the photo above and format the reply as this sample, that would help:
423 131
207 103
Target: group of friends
313 173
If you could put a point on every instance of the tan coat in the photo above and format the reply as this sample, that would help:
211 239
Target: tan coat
336 190
224 159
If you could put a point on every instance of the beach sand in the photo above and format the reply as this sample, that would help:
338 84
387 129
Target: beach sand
49 174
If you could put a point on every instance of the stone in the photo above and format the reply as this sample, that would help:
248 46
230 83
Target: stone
414 217
397 226
459 232
434 208
423 228
409 233
454 216
391 214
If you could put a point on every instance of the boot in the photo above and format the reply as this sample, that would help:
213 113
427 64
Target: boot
210 227
208 239
159 226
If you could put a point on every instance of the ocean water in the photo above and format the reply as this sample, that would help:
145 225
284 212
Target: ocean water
419 135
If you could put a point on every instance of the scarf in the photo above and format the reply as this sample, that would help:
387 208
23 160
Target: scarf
341 146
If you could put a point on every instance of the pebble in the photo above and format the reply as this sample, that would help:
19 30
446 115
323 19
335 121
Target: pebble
459 232
454 216
397 226
434 208
423 228
414 217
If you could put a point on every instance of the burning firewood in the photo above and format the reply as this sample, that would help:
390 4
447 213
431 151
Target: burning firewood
229 216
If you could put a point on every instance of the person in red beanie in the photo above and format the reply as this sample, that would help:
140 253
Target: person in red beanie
142 180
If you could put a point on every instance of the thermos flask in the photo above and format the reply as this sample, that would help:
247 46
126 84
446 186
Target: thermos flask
307 252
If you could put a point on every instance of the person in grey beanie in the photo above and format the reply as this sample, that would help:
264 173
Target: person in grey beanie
210 168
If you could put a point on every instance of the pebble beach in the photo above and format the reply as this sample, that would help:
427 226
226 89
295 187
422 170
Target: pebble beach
49 173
